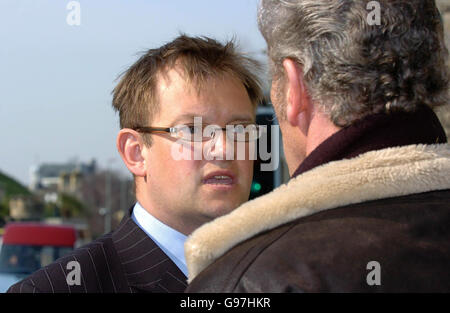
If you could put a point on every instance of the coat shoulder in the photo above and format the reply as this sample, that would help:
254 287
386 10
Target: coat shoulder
331 251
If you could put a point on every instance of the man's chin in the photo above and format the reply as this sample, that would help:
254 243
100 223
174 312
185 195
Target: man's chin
217 210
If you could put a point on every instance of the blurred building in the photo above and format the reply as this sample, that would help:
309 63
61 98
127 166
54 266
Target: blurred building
25 207
60 177
78 192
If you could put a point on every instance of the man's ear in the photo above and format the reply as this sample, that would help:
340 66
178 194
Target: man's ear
131 149
297 100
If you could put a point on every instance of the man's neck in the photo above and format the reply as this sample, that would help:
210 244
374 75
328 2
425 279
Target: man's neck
376 132
168 216
320 129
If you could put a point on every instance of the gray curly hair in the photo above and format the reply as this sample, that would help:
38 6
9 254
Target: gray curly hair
353 69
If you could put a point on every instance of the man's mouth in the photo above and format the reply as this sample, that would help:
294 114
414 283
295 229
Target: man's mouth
216 178
219 180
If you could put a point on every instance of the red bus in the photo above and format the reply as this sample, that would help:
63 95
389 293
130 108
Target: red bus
28 246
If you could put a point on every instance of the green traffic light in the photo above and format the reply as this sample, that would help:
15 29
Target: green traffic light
256 187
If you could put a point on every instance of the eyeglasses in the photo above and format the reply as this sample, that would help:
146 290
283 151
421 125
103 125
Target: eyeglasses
194 133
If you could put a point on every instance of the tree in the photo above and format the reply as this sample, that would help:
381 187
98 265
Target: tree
9 188
70 206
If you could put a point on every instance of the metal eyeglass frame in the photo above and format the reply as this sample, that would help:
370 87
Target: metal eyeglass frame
174 131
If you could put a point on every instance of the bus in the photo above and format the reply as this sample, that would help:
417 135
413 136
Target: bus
28 246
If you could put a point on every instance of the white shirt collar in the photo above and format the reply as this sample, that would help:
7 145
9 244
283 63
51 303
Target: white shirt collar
167 238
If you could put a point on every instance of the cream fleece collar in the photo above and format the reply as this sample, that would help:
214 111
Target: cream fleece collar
373 175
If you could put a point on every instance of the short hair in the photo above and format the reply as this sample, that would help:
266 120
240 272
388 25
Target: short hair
353 69
135 96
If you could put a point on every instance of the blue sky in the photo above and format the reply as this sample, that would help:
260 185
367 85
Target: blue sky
56 79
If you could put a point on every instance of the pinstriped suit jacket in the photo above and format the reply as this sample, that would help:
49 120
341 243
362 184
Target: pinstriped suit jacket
123 261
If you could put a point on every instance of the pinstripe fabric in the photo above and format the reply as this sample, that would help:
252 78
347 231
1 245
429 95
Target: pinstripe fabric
147 268
124 261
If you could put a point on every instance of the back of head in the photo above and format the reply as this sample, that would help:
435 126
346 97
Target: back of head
354 68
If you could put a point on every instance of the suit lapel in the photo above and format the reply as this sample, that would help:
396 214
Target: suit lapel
147 268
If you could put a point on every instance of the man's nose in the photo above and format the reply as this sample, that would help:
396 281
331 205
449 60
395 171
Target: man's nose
220 145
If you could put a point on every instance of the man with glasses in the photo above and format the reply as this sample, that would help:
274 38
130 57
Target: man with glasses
187 111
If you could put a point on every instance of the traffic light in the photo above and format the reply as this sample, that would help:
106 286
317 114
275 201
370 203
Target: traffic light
265 181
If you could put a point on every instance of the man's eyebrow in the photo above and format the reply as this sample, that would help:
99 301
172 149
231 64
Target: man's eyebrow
242 118
185 117
189 117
